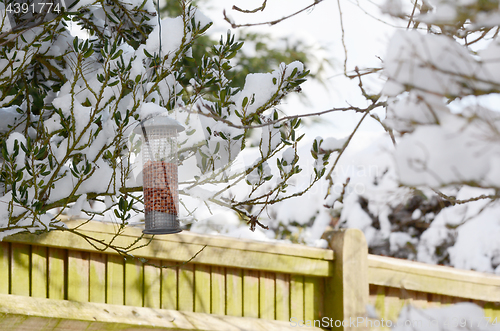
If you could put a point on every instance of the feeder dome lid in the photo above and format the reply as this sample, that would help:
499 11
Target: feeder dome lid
159 121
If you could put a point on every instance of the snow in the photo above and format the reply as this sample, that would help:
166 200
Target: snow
201 18
332 144
289 155
399 240
150 109
13 144
416 214
271 137
261 87
259 173
439 155
443 71
4 20
460 316
171 37
440 141
9 116
80 204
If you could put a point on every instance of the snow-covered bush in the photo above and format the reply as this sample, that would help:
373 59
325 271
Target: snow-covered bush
460 316
68 106
442 109
432 194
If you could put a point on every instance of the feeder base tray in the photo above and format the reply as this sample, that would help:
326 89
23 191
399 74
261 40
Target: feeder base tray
161 223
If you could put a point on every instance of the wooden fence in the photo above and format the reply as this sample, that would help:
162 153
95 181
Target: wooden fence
395 283
58 279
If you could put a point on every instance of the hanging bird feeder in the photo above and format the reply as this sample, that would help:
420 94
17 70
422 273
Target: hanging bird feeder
159 173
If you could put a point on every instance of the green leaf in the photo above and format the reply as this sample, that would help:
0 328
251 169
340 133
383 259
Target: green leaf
117 54
4 151
88 53
223 95
41 153
205 156
238 136
74 3
245 101
24 148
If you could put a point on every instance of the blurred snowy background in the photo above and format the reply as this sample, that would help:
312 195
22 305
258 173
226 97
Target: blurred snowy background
412 221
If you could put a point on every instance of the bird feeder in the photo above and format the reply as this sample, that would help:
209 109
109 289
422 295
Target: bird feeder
159 173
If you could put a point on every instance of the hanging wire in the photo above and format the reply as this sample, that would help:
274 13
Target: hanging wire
160 48
159 25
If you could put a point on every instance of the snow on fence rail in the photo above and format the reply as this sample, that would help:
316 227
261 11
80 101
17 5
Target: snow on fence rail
231 284
395 283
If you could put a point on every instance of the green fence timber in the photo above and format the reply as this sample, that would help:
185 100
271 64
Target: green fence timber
189 281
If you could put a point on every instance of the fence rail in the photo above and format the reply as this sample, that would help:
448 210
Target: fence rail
395 283
244 280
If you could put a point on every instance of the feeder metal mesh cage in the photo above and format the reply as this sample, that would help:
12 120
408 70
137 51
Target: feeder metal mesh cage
160 181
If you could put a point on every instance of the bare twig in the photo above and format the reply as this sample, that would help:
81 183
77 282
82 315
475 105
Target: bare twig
286 118
261 8
234 25
329 175
412 15
455 201
343 37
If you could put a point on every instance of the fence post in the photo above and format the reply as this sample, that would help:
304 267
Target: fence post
347 291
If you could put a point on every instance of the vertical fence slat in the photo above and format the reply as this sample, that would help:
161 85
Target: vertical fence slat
218 287
57 273
152 284
4 267
308 298
282 297
202 289
185 293
297 297
20 269
39 271
168 287
435 299
134 282
78 276
393 303
114 280
446 300
234 292
380 300
97 278
347 291
314 290
420 300
250 293
492 310
267 296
